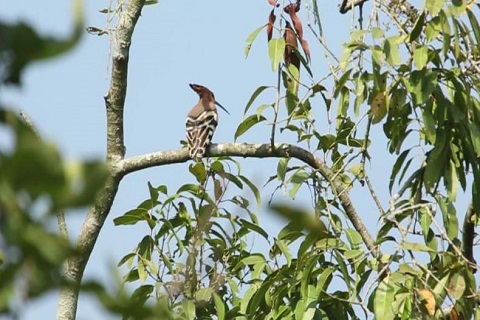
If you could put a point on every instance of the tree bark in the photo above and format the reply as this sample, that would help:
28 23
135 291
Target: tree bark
114 101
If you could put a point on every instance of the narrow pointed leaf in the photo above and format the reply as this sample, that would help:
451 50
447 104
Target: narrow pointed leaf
251 38
247 123
254 96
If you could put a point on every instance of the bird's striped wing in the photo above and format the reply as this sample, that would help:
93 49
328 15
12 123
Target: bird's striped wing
200 132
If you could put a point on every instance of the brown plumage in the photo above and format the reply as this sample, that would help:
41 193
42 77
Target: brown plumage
201 122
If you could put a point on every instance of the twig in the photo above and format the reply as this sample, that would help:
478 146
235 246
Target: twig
276 107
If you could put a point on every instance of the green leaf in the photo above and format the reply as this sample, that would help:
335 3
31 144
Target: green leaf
377 33
282 168
254 96
219 306
204 294
475 26
256 228
252 187
449 215
297 180
142 271
251 38
283 246
418 27
131 217
276 48
429 126
434 6
199 172
451 181
353 237
396 167
456 285
253 259
391 50
247 123
420 57
414 246
127 258
325 279
384 297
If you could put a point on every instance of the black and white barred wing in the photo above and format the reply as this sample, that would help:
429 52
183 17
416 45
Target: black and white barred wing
200 132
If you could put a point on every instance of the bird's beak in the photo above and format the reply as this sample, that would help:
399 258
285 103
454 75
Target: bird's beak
218 104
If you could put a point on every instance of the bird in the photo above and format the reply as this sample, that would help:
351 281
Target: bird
201 122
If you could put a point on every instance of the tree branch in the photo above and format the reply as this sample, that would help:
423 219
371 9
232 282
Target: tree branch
114 101
257 151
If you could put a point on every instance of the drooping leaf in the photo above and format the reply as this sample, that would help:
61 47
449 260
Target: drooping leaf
251 38
271 21
291 46
418 27
247 123
254 96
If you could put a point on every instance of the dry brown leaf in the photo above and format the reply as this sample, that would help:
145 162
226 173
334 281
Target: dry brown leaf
306 48
218 189
291 46
271 21
378 107
428 299
292 11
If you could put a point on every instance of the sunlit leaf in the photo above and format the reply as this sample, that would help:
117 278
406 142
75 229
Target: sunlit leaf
276 48
384 297
434 6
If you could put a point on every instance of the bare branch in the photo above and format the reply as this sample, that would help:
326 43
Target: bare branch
256 151
114 100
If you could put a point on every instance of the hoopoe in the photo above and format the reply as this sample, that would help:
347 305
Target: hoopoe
201 122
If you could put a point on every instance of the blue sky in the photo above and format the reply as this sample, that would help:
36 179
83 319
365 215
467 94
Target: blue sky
175 43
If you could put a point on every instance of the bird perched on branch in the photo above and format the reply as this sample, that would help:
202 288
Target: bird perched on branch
201 122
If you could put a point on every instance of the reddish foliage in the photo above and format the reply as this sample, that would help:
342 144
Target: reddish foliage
306 48
295 20
271 21
292 10
291 46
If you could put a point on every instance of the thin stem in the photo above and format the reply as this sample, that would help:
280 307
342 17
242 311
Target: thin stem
276 106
